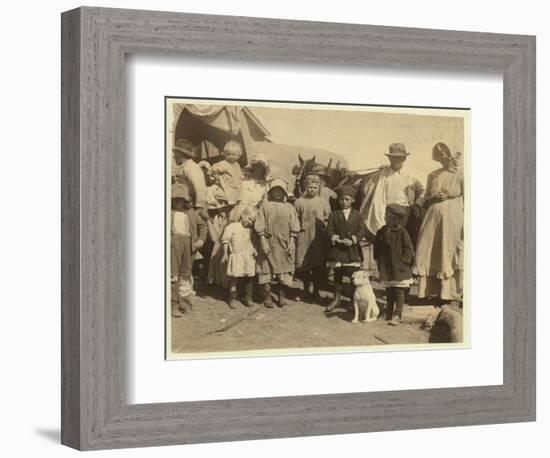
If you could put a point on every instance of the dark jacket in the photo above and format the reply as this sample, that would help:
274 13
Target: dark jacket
394 252
337 225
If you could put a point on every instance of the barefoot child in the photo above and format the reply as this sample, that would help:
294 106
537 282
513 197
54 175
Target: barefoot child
345 229
187 235
393 251
311 245
277 226
239 255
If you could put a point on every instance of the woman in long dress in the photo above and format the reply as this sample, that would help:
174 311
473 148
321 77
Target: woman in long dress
440 247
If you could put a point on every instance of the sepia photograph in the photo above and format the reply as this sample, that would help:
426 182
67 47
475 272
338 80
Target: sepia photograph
301 228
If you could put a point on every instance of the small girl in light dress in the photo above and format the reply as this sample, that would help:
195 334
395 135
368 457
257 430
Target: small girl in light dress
228 174
240 255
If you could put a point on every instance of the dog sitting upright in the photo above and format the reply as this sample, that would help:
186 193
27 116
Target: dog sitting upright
364 300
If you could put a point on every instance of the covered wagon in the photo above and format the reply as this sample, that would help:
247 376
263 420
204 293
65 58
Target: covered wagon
210 127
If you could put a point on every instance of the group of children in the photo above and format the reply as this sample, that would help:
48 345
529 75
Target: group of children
260 237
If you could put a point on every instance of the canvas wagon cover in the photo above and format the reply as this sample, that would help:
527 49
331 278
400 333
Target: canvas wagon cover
241 122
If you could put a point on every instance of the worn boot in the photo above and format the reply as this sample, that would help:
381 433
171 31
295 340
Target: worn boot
232 299
267 296
247 298
185 291
337 298
175 309
281 302
185 304
399 304
174 299
315 296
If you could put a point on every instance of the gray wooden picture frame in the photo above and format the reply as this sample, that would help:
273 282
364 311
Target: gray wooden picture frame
95 412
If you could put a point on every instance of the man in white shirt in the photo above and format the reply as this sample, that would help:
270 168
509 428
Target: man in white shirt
392 185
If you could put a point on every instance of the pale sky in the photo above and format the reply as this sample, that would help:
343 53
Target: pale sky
362 137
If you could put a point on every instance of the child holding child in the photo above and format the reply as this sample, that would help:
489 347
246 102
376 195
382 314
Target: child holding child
345 229
277 226
393 251
313 212
187 235
239 255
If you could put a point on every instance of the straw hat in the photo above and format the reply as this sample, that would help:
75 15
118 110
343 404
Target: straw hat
397 150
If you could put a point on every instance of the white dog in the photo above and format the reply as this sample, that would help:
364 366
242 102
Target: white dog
364 298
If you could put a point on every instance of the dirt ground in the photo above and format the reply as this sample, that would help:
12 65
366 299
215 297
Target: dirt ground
298 325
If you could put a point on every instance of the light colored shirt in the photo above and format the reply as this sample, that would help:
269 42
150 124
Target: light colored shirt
383 188
180 225
402 188
346 213
191 175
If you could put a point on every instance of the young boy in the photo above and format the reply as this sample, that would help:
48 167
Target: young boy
393 251
345 229
187 235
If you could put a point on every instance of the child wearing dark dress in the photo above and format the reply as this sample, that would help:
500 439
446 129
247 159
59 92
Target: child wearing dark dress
393 252
345 229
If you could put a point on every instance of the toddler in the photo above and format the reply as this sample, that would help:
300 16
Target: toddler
239 255
228 173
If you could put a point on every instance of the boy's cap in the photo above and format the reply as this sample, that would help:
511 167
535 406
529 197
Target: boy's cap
396 209
180 191
346 191
185 147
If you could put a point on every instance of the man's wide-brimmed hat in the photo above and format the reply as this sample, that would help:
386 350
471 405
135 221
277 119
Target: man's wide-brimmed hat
185 147
397 150
279 183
